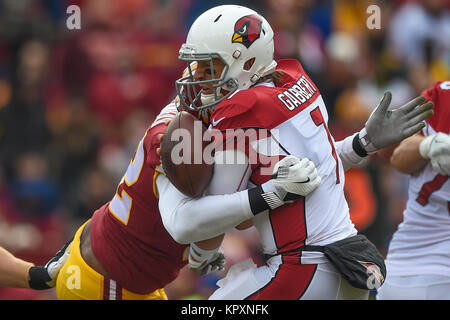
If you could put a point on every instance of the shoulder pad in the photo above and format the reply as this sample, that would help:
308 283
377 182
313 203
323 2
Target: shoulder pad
292 69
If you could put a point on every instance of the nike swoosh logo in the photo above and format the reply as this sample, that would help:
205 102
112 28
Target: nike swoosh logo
215 123
275 175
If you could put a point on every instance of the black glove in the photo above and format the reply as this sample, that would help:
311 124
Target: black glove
44 277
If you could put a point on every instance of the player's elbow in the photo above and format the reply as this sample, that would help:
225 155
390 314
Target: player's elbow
180 229
178 232
181 236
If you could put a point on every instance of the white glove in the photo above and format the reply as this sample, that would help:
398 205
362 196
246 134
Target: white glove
291 175
292 178
436 148
203 261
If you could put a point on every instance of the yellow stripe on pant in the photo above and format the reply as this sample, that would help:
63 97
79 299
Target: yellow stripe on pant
78 281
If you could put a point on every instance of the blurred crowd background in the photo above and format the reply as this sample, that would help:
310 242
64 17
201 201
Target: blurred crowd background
75 103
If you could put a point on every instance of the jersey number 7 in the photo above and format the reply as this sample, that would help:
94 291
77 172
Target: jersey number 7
430 187
318 119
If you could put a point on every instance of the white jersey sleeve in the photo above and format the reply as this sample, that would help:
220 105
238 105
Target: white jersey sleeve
189 220
347 154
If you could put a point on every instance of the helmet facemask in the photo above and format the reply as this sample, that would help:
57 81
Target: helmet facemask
188 89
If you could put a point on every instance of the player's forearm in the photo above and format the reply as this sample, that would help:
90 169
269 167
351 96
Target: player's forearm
13 271
211 244
189 220
245 225
406 157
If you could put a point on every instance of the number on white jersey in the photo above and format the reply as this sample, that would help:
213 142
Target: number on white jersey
318 119
430 187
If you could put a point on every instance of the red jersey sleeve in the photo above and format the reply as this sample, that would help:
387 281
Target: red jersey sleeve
151 143
439 94
231 113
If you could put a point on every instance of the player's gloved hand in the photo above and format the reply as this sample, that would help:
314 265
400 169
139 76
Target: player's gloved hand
203 261
44 277
292 178
387 127
436 148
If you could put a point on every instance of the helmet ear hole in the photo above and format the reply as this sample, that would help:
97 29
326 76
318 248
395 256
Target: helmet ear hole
249 63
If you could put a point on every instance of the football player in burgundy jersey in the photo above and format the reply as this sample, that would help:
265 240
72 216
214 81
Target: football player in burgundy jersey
276 109
124 251
418 260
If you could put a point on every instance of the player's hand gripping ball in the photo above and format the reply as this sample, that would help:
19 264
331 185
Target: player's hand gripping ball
186 160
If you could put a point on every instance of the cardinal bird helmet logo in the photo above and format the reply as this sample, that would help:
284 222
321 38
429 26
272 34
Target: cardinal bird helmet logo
247 29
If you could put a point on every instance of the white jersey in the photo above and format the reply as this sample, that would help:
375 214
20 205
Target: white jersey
295 118
288 119
322 217
421 245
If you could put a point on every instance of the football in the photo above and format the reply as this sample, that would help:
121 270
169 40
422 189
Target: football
184 155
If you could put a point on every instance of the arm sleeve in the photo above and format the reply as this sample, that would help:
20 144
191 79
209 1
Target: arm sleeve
189 220
346 151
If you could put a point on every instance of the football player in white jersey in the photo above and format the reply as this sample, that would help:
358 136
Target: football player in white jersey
281 114
418 259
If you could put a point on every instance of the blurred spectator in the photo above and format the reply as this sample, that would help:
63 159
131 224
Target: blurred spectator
92 190
76 139
24 127
35 195
420 32
419 36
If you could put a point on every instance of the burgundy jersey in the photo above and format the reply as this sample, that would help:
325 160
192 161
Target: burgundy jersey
128 236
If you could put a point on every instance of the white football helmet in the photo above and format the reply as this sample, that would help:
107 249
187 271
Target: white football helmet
235 35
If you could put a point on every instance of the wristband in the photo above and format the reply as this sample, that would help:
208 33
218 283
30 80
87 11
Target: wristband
38 278
366 142
424 147
358 148
261 201
257 202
